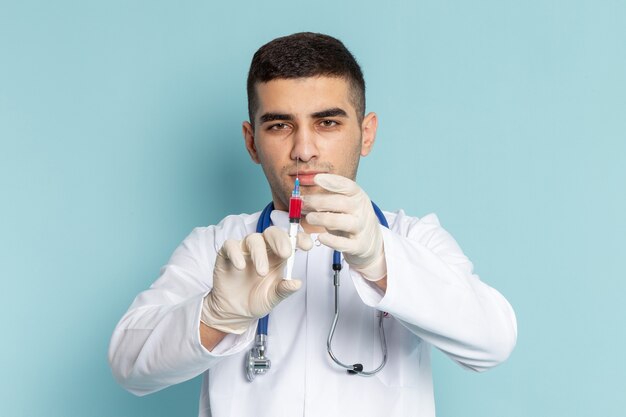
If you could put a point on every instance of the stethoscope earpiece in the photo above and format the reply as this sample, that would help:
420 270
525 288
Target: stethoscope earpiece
357 368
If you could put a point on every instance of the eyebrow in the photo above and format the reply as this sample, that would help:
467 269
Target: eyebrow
334 112
270 117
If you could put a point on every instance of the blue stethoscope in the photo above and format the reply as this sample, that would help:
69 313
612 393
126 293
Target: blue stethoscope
257 362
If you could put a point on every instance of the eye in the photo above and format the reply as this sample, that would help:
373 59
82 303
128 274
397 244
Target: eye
329 123
278 126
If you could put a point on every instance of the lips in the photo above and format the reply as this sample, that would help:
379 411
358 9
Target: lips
306 178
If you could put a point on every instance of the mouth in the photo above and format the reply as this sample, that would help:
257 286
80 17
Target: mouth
306 178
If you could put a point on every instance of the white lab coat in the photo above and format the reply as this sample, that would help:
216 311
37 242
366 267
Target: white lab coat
433 299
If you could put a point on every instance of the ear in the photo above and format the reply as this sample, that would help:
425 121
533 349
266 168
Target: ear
368 133
248 136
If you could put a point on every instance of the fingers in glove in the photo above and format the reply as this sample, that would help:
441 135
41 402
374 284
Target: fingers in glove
338 243
265 300
278 241
346 223
231 250
337 184
304 241
335 203
285 288
255 244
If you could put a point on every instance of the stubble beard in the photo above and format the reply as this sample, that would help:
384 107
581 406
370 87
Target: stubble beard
281 184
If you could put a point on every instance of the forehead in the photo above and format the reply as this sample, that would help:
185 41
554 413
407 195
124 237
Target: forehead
304 96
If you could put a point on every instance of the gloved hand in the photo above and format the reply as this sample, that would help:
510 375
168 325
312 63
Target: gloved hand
247 279
351 224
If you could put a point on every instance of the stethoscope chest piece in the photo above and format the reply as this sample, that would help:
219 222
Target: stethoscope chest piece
256 361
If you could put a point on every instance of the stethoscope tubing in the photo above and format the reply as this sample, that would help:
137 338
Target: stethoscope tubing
264 222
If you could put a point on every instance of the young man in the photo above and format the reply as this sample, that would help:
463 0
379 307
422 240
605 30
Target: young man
306 99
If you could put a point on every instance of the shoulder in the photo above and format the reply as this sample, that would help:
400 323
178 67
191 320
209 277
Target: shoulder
428 232
237 225
406 225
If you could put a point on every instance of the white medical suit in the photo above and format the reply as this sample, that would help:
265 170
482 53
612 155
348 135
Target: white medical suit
432 299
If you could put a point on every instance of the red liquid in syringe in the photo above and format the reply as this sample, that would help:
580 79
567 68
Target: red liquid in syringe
295 203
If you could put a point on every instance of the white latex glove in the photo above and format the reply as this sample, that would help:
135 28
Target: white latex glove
351 225
247 279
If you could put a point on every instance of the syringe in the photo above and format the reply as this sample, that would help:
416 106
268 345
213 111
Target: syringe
295 212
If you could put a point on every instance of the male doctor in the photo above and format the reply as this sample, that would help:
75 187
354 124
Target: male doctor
306 100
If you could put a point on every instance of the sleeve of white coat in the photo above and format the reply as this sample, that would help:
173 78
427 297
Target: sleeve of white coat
432 290
157 342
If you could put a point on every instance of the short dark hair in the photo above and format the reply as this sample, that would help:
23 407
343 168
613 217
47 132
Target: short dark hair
305 54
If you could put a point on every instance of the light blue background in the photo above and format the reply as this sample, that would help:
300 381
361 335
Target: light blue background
120 132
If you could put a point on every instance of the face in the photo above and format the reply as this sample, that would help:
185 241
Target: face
306 126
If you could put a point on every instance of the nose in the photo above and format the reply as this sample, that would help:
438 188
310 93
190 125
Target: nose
304 144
